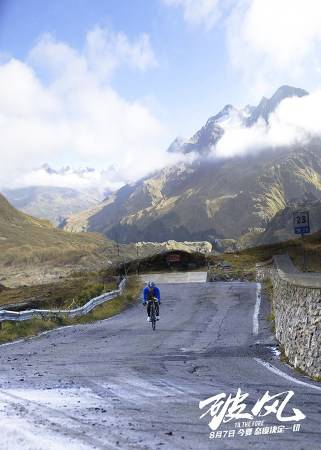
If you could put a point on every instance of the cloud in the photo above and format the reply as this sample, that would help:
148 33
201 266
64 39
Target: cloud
294 122
269 43
275 42
106 51
59 106
201 12
84 180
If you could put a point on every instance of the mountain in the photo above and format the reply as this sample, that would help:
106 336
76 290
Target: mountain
54 194
211 199
48 202
207 137
208 200
268 106
27 242
280 228
204 140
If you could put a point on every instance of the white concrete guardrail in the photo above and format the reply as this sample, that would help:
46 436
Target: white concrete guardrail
68 313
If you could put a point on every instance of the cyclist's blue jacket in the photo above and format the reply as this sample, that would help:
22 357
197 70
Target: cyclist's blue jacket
155 293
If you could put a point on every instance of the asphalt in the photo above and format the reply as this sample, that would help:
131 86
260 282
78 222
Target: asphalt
175 277
118 384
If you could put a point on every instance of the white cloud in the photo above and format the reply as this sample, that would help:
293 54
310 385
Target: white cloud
106 51
295 122
269 42
94 181
200 12
275 42
71 113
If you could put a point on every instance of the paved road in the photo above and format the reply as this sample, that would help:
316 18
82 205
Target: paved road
176 277
118 384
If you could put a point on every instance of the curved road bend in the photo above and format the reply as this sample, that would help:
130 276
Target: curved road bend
117 384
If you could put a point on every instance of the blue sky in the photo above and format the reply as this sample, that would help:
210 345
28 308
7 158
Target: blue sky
112 82
193 79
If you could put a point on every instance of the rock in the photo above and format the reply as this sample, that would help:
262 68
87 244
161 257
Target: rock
297 316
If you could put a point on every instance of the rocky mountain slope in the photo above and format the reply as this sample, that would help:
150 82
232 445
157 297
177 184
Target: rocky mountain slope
208 201
280 228
211 199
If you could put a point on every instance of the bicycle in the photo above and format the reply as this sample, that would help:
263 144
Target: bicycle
153 312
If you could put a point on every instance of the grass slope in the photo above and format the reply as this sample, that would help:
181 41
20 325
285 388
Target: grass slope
11 331
26 243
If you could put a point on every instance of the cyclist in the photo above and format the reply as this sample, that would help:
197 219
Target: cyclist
151 291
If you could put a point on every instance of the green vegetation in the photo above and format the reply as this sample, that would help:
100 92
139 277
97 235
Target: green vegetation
75 290
26 240
29 245
294 247
243 262
129 297
233 266
10 331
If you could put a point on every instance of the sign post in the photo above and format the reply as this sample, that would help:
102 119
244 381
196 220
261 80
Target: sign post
301 224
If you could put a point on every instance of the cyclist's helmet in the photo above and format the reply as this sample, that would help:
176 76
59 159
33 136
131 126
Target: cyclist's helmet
151 284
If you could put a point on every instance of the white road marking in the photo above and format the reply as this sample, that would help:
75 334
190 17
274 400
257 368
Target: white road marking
287 377
257 309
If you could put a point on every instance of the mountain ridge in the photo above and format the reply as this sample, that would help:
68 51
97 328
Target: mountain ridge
209 199
205 139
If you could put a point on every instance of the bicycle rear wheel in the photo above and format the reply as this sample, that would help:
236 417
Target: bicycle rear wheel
153 316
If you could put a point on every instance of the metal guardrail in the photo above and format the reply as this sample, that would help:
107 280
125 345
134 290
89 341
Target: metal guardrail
67 313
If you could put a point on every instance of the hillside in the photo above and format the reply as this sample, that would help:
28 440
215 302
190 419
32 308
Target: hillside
293 247
32 251
208 200
29 245
280 228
